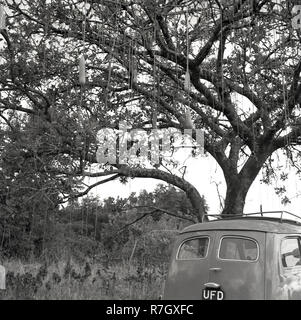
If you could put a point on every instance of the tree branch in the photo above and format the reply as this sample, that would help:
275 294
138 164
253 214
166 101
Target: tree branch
81 194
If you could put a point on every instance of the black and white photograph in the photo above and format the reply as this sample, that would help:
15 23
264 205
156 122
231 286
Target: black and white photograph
150 150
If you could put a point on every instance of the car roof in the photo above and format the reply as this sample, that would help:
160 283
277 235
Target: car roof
274 225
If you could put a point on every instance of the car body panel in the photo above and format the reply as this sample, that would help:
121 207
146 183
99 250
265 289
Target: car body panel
239 279
186 277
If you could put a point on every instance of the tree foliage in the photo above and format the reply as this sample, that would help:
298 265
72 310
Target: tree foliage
232 65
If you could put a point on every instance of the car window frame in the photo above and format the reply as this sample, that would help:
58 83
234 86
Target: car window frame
193 238
238 237
292 268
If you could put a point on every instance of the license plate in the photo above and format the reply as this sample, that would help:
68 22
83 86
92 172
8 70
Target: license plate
213 294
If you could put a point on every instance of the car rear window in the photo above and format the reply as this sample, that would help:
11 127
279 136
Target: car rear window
195 248
234 248
290 252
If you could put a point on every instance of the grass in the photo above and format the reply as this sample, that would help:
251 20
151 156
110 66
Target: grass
70 280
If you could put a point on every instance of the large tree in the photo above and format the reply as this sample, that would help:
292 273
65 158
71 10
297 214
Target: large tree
232 65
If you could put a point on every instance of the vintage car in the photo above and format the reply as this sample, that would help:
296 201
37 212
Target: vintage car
250 257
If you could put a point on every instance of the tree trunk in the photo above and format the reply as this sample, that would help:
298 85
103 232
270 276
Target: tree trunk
235 196
238 184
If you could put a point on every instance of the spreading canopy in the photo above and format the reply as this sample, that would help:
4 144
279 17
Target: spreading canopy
233 66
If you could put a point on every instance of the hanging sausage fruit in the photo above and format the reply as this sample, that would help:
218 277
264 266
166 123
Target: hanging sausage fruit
187 80
2 18
187 74
82 70
187 121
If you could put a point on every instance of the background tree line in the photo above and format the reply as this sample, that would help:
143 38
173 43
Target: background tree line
140 227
